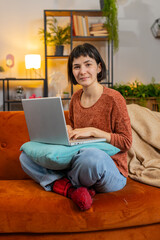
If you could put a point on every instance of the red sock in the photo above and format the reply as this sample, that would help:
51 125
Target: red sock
92 192
80 196
61 186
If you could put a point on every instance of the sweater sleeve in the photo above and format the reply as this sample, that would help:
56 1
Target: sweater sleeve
121 135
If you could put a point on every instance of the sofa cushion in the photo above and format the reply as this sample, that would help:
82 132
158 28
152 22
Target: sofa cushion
58 157
13 133
26 207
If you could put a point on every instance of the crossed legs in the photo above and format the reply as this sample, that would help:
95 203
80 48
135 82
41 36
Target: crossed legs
90 168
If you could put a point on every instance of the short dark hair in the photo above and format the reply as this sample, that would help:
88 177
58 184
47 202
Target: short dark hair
86 49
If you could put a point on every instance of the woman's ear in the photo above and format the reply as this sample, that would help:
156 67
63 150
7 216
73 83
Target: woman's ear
99 68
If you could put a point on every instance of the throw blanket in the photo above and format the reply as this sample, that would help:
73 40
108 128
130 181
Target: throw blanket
144 155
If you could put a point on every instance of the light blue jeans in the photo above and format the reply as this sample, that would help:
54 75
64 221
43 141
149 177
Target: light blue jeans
90 167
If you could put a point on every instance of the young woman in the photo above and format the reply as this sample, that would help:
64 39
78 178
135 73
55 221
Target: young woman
96 111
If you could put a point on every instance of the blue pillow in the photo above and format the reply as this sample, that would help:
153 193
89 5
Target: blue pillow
58 157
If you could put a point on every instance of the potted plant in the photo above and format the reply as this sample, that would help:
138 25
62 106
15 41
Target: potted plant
110 12
66 94
145 95
57 35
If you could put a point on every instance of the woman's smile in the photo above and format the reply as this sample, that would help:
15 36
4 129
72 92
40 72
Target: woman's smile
83 78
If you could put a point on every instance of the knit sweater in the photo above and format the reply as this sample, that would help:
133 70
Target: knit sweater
109 114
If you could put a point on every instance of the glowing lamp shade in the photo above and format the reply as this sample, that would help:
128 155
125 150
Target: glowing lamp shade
32 61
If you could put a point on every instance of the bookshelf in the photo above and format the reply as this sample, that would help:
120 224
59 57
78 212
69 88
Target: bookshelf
81 22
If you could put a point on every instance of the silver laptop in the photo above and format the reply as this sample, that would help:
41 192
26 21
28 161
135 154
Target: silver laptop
46 122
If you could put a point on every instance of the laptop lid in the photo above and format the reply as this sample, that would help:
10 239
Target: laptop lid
45 120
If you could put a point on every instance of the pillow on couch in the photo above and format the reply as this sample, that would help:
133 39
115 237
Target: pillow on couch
58 157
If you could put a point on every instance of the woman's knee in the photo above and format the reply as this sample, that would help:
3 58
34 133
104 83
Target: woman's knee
23 159
88 166
29 166
91 158
94 167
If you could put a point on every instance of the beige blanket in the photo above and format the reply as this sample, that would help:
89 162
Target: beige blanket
144 155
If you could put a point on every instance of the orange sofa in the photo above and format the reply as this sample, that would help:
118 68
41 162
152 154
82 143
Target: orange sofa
29 212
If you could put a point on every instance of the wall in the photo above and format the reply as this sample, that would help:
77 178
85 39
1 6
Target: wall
138 55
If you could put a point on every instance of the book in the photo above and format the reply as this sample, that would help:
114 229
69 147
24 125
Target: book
75 25
99 34
84 26
97 24
95 27
87 25
98 29
80 26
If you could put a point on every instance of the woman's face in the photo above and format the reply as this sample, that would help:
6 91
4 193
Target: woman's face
85 70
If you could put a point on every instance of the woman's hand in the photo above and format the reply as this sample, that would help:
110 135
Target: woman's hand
89 132
81 133
69 130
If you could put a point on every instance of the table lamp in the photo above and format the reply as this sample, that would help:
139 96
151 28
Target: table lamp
33 62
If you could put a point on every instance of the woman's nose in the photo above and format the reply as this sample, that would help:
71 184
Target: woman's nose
82 70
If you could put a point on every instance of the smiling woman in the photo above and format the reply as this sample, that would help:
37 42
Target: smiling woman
95 111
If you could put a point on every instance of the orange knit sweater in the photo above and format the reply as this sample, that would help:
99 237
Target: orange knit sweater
109 114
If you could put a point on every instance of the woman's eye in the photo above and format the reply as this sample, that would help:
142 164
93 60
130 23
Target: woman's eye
76 67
